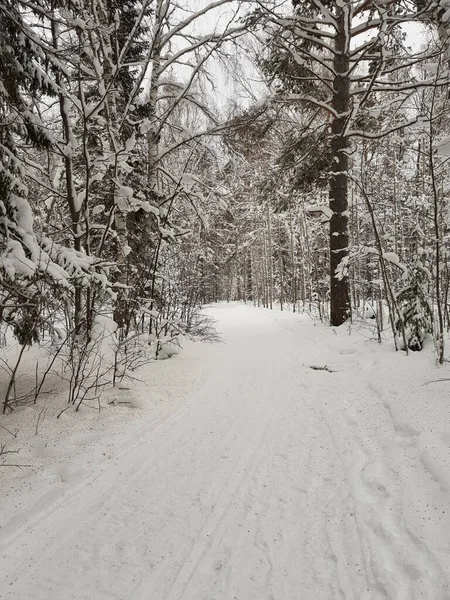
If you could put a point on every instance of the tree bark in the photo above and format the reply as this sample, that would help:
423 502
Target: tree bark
339 286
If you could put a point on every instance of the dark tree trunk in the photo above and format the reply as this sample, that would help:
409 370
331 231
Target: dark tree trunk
340 289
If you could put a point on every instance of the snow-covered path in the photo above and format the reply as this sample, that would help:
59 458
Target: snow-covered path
273 481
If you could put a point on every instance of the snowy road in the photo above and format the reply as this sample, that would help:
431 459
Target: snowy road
274 481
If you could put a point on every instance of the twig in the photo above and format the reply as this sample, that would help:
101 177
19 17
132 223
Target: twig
12 380
42 411
10 432
324 368
63 411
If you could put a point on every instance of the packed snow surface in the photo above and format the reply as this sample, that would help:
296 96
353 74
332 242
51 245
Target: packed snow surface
297 463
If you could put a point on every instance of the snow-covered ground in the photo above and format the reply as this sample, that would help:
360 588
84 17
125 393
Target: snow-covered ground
292 462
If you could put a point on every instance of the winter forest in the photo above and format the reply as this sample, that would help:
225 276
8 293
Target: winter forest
160 156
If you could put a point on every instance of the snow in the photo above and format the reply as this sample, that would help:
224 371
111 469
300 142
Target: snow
321 208
443 147
99 209
247 470
393 258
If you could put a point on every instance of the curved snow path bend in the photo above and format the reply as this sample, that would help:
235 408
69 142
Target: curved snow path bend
273 482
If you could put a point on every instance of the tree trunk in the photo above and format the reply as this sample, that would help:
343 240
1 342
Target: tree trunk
71 193
249 283
269 256
339 287
156 61
293 265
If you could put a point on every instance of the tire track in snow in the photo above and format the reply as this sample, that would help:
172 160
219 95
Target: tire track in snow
276 537
110 485
11 535
102 512
239 471
214 524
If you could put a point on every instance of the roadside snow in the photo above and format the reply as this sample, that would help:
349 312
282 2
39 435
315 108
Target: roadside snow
293 462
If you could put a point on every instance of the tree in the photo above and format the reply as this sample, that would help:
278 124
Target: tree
321 56
35 270
415 310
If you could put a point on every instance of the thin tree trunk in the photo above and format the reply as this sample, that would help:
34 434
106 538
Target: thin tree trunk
294 267
280 264
71 193
269 256
437 219
152 136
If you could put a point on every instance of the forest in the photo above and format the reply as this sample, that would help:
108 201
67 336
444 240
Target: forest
224 299
160 155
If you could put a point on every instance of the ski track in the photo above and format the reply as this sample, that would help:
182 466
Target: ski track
263 486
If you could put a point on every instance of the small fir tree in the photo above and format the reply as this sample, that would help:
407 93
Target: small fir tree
415 308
